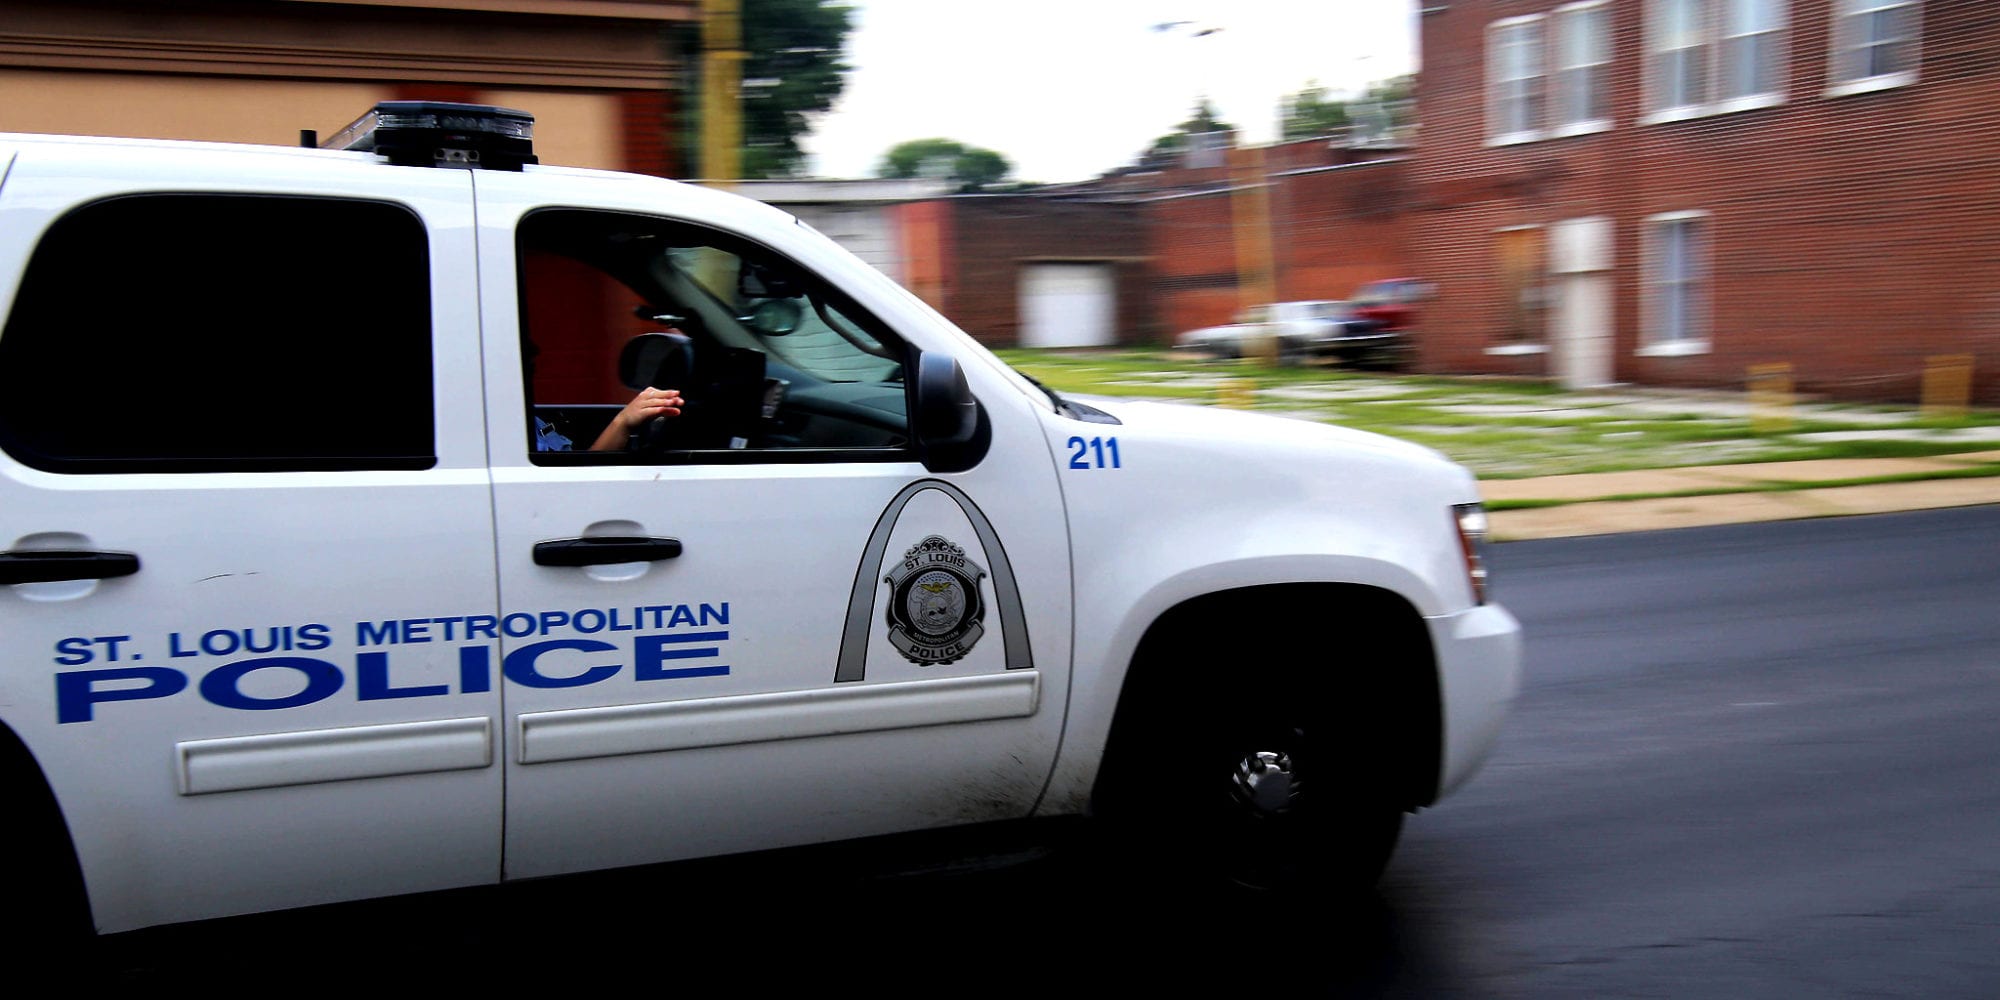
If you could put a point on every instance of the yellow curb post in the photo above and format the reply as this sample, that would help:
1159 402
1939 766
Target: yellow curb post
1236 393
1771 398
1947 385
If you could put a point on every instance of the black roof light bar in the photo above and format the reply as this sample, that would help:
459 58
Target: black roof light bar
442 134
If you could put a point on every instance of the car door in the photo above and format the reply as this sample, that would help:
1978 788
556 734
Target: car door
771 624
242 488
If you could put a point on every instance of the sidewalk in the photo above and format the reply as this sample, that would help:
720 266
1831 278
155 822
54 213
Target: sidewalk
1776 491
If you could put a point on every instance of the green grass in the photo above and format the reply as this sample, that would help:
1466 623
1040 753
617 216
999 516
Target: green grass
1517 428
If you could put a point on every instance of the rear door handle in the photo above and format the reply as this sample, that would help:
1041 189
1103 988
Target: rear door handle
602 550
56 565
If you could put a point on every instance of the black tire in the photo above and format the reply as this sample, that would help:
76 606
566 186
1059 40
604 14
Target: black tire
1282 790
46 912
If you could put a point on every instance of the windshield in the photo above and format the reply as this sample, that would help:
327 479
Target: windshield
772 304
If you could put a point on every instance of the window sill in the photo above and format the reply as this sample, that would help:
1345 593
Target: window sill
1516 350
1871 84
1748 102
1580 128
1515 139
1673 349
1729 106
1666 115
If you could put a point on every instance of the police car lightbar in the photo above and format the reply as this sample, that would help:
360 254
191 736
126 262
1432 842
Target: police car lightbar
440 134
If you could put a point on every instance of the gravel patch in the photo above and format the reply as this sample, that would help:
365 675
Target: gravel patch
1952 435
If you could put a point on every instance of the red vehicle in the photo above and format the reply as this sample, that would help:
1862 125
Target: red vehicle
1391 304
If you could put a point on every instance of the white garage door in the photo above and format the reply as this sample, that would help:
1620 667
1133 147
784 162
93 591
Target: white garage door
1068 305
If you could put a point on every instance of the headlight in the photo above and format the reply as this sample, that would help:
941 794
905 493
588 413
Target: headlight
1471 518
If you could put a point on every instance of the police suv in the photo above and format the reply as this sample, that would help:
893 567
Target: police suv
334 566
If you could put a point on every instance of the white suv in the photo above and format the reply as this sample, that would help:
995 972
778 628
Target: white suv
311 589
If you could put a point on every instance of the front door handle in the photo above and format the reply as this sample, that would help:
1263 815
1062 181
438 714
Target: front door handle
57 565
602 550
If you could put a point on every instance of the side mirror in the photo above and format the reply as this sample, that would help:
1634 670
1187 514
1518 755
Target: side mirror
776 317
658 360
762 281
951 428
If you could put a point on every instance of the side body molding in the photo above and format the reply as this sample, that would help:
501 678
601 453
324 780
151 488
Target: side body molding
853 663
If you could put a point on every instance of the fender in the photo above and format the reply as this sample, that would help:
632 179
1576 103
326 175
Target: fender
1094 693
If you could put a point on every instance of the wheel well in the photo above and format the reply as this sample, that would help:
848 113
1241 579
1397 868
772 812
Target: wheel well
49 901
1363 646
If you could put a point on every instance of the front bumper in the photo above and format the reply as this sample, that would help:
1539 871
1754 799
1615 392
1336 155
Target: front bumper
1479 673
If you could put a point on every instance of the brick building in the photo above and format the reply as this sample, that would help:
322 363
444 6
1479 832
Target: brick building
1138 256
603 78
1034 270
1333 227
1671 191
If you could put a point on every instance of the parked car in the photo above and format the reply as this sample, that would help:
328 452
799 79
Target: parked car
1390 304
1313 328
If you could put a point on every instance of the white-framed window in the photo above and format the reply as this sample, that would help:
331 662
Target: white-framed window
1515 80
1875 45
1582 78
1676 284
1751 57
1677 56
1706 57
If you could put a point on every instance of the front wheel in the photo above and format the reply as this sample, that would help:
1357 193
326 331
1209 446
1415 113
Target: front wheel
1277 796
1285 810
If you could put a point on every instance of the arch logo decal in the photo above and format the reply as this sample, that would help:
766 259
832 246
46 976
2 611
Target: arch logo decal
935 599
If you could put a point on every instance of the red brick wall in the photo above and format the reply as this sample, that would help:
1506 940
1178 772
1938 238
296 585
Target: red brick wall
1336 229
992 237
648 126
1331 230
1192 243
1852 236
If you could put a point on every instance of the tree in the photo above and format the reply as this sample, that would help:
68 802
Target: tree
1311 113
972 167
1168 148
1387 111
792 70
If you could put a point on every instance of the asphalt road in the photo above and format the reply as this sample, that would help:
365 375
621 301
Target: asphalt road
1748 761
1756 761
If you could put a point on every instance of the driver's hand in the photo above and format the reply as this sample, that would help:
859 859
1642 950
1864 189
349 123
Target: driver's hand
643 408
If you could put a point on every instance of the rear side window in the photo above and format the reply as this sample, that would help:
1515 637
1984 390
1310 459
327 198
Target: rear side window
209 333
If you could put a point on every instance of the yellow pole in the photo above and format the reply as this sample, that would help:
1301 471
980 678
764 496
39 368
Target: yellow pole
1250 211
1771 398
721 90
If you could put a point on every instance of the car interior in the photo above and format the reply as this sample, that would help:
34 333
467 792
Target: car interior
767 357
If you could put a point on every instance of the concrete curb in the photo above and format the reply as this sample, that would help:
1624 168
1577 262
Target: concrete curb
1587 516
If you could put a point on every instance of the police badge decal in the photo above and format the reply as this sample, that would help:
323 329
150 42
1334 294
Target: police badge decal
934 606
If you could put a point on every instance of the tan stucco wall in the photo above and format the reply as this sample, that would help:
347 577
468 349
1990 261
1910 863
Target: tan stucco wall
171 107
571 129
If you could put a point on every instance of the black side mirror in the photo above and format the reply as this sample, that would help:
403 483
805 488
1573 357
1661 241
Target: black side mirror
658 360
951 428
762 281
776 317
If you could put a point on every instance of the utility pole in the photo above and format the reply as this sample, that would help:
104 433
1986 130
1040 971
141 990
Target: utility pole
1250 210
721 90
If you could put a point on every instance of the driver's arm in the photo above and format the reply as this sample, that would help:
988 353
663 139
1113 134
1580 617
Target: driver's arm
649 403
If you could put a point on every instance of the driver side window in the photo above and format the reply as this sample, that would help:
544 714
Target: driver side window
620 312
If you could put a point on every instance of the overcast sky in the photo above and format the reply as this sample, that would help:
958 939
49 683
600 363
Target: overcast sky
1067 89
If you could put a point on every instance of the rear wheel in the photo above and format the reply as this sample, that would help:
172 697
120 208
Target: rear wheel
46 912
